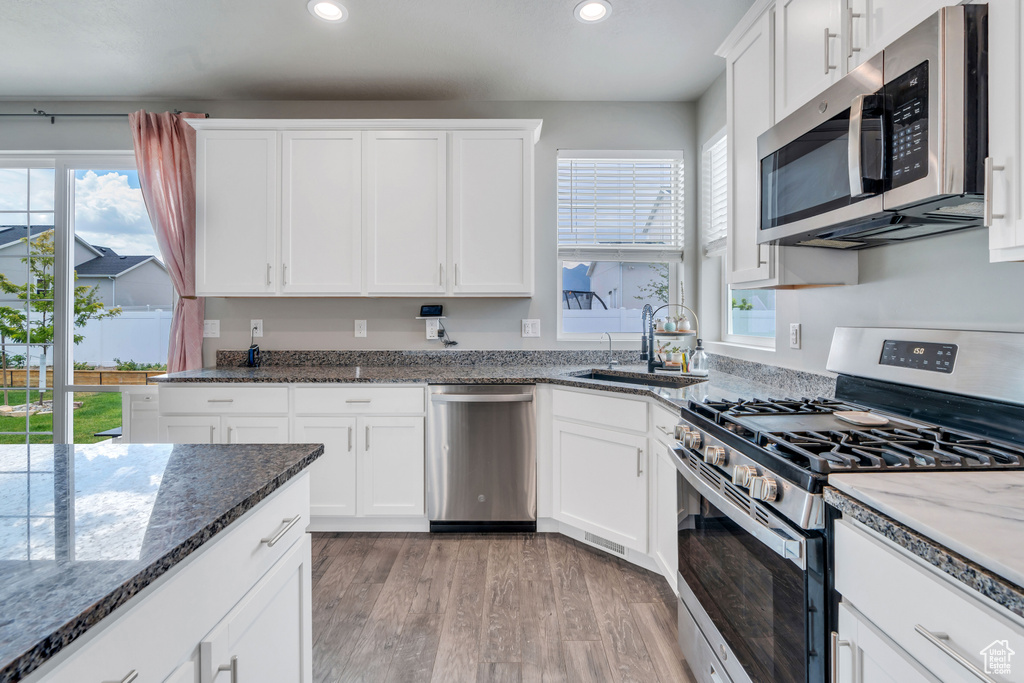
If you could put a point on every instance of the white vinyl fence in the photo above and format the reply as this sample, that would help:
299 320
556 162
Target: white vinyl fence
140 336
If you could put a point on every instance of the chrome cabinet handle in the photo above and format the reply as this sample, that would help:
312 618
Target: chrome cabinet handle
828 34
358 400
212 432
268 274
663 430
639 461
939 641
349 439
284 273
130 678
834 646
229 434
850 16
990 169
367 443
271 541
232 667
440 274
220 400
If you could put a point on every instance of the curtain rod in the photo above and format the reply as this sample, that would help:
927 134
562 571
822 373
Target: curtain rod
39 112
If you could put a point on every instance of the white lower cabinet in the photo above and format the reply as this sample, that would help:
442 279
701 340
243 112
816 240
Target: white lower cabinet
266 638
332 490
186 673
867 656
189 429
600 482
256 429
665 519
391 466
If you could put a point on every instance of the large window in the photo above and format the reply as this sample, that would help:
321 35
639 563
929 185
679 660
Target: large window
620 239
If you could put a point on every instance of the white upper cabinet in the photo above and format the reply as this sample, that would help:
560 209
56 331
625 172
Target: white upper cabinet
808 51
321 212
870 25
1005 172
236 212
492 212
406 212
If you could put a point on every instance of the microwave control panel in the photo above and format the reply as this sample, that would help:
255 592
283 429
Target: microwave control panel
919 355
908 94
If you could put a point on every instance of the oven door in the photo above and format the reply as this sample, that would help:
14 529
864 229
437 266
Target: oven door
824 165
754 585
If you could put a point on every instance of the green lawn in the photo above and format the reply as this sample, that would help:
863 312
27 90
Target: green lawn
98 413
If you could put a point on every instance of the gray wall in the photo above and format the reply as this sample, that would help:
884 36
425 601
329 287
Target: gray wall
942 282
474 323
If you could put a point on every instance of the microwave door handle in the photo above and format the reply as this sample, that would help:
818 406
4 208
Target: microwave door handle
853 156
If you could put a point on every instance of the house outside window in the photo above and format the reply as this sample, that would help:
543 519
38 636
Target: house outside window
620 239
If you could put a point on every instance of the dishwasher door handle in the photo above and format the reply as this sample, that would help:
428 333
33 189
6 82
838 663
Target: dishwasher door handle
482 398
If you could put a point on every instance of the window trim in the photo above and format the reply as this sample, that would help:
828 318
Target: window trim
767 343
705 211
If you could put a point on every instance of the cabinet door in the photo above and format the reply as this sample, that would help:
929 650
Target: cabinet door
405 206
268 633
666 515
332 477
749 96
189 429
236 212
1006 191
256 429
390 466
867 656
321 212
808 51
600 482
186 673
492 212
873 24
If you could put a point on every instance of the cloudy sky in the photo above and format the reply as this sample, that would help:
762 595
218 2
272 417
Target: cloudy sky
109 210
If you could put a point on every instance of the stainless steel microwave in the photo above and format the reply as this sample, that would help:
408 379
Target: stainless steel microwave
893 151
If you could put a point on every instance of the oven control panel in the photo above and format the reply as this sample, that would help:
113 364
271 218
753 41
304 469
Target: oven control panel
919 355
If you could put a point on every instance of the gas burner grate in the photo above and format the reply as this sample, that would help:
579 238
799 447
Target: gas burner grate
723 409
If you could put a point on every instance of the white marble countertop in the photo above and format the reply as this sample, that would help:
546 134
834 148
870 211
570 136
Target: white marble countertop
979 515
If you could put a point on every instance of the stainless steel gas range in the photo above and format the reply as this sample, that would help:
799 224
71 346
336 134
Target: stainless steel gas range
754 533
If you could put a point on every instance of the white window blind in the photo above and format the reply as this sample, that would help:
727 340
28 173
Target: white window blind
624 204
714 196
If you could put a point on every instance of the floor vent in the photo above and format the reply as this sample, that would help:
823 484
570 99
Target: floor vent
614 547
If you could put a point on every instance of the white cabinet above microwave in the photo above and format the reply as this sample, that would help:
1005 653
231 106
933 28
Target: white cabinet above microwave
365 207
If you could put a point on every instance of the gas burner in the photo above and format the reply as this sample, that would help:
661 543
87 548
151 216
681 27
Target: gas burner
773 407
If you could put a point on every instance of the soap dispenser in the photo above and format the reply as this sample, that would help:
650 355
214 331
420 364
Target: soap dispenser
699 360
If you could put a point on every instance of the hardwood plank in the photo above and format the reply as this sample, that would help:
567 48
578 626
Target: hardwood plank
623 643
641 585
458 649
536 566
337 636
498 672
658 630
474 548
542 646
377 563
435 583
376 647
586 662
414 657
500 632
576 618
347 556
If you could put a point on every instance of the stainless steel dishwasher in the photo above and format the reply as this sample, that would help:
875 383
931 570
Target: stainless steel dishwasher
482 458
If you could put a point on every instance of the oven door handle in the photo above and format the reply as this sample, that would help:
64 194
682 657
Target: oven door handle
783 545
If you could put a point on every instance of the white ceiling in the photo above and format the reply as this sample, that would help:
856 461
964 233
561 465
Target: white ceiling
647 50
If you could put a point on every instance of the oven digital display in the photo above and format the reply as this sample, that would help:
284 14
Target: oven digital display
919 355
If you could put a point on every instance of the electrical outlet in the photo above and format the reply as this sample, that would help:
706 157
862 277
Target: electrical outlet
432 327
531 328
256 327
794 335
360 328
211 328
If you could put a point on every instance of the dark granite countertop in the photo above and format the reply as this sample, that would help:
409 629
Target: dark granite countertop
966 524
716 385
84 528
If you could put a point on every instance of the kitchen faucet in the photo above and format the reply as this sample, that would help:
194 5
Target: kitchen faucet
611 360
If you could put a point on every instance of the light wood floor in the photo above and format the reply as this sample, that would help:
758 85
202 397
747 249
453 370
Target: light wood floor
509 607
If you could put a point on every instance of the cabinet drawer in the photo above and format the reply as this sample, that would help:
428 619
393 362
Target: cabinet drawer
899 594
664 423
231 399
604 411
358 400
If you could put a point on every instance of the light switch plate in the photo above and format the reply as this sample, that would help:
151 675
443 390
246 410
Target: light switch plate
360 328
794 335
256 328
531 328
211 328
432 326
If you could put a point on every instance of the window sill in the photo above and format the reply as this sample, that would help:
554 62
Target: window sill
727 346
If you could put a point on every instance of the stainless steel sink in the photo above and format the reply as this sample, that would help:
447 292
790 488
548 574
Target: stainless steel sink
643 379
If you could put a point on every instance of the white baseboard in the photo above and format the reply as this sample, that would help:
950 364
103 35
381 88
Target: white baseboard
328 523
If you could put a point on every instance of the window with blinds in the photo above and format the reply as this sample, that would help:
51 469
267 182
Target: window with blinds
628 203
714 196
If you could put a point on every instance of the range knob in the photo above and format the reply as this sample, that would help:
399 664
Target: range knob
764 488
714 455
742 475
691 439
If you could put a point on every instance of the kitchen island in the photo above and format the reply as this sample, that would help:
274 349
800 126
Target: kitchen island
122 558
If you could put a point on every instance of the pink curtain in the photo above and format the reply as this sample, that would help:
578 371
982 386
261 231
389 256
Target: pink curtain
165 152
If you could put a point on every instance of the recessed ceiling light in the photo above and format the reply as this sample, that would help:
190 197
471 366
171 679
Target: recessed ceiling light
328 10
593 11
